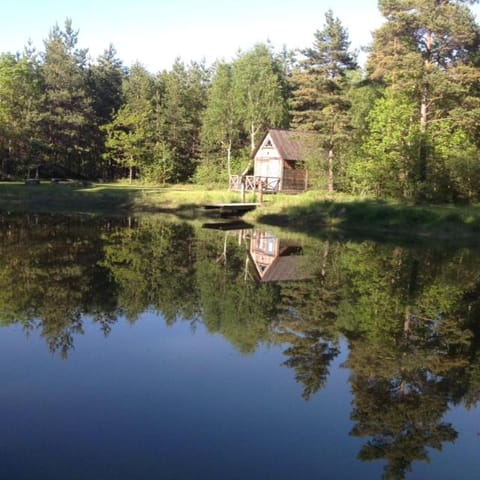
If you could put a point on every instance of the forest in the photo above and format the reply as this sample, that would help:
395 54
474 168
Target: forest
405 125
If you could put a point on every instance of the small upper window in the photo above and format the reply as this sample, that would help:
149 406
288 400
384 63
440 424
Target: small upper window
268 144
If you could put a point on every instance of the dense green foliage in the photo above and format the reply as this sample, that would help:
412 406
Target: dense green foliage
406 126
425 124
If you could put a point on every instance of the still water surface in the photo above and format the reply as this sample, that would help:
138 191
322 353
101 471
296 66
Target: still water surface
139 349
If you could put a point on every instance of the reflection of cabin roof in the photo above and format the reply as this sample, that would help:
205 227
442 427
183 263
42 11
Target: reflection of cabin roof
290 144
287 268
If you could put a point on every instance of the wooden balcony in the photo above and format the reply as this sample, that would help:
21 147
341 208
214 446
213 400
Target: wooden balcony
251 183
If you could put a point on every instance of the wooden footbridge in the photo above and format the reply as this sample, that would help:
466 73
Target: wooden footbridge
231 209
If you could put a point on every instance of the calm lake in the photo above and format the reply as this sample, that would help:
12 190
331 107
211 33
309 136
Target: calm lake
137 348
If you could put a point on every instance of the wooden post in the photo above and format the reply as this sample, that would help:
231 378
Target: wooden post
260 191
242 188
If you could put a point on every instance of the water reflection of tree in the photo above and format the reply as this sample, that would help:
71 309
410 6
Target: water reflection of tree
410 318
306 323
232 303
59 273
49 279
152 264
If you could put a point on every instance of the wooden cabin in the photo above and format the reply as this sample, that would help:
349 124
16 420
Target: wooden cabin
278 163
281 154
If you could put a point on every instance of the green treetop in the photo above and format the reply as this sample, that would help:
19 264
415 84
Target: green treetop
319 89
427 51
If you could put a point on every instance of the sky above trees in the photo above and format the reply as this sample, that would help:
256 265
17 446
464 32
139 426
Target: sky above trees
155 32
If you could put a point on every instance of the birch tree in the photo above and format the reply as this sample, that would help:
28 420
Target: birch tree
221 126
258 92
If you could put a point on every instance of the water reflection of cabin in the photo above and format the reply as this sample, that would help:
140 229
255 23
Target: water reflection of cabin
276 260
277 163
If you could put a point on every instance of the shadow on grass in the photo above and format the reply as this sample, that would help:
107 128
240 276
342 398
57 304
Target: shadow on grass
64 198
95 199
72 198
380 220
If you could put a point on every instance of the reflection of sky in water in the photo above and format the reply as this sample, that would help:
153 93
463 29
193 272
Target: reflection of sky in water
460 459
152 401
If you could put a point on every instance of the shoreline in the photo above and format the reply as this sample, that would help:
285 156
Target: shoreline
312 213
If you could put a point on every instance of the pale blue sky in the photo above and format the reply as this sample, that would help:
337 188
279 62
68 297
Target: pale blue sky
155 32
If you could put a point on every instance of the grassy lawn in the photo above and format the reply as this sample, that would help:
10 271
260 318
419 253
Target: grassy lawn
46 197
104 198
314 212
310 213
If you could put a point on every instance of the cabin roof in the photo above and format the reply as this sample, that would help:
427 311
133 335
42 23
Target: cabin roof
289 143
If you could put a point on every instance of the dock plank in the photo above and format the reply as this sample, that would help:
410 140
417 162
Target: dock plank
231 209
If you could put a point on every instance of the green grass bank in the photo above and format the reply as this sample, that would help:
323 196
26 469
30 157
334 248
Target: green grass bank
309 213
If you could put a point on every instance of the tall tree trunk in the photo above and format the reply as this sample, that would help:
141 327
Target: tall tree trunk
9 156
130 172
229 158
252 147
252 136
406 321
330 169
424 108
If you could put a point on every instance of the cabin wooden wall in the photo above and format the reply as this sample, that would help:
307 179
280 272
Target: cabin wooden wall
269 163
270 167
294 179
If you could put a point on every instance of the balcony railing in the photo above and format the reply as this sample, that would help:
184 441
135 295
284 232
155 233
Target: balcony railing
253 183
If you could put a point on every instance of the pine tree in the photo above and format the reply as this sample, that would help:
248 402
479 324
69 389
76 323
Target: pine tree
105 79
319 89
127 135
20 96
183 100
427 50
68 118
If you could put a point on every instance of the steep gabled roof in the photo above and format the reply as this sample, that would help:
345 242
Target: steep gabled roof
291 145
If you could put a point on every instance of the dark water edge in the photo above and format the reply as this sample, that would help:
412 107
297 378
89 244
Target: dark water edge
139 348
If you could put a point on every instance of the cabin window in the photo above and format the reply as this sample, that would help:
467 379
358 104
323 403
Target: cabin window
268 144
